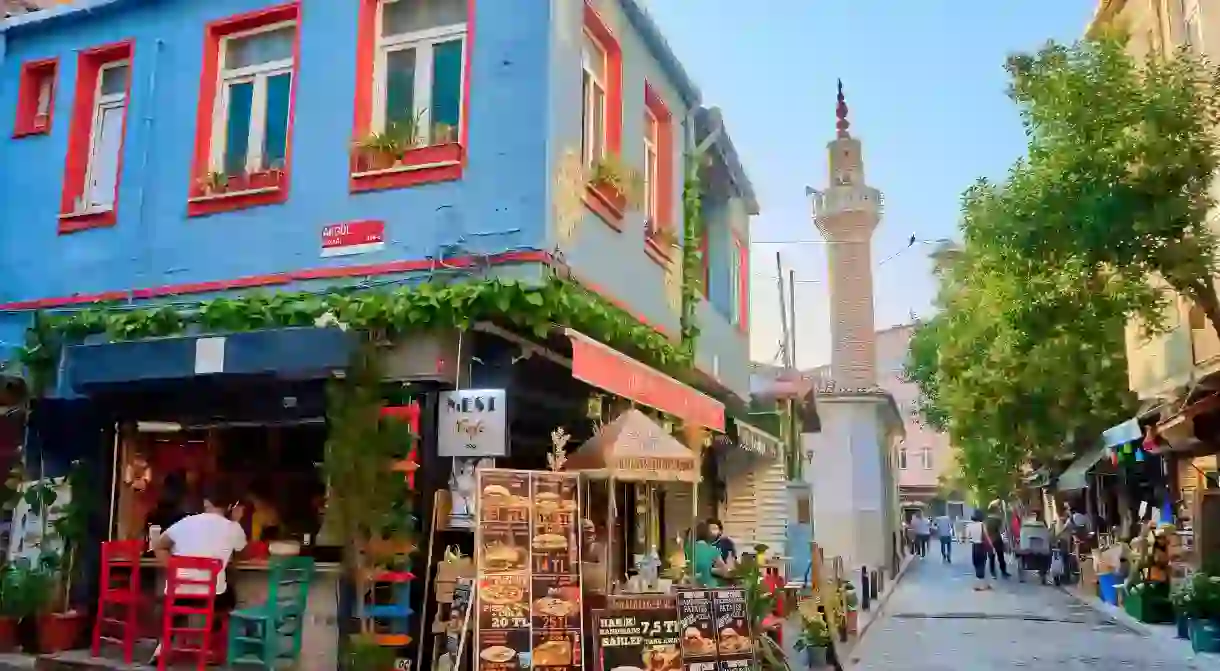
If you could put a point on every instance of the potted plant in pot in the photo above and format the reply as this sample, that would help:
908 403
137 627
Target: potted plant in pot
61 628
1182 599
1205 613
815 637
851 608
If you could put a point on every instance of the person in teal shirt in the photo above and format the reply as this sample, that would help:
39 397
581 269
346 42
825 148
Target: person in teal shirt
707 566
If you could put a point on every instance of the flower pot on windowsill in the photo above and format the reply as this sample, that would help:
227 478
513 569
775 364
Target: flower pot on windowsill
41 122
372 161
60 631
238 183
610 196
264 179
434 154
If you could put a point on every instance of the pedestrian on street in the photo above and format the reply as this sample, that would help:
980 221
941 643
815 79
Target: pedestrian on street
944 531
995 531
923 531
976 535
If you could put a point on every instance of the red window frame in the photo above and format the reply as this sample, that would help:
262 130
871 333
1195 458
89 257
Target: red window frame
603 200
742 250
275 190
437 163
80 127
657 248
33 73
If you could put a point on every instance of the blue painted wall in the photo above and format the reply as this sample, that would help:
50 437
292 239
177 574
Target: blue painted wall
524 113
497 205
615 261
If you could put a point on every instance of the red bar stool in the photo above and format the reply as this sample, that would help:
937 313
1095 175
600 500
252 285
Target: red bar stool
190 594
121 593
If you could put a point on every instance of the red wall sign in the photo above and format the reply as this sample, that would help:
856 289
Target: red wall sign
617 373
353 237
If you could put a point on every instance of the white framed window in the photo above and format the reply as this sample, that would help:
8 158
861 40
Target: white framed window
925 458
594 63
105 136
419 69
902 458
736 282
652 190
254 94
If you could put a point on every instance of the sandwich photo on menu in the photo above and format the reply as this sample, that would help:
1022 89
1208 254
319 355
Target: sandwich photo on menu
550 542
500 557
553 653
694 643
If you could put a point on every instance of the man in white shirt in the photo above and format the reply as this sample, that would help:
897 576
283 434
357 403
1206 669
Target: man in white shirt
923 531
215 533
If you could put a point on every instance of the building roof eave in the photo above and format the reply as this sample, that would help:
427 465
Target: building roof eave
642 21
55 12
707 121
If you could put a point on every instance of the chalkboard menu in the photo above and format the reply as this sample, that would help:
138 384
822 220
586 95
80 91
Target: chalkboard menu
715 629
734 643
634 640
528 567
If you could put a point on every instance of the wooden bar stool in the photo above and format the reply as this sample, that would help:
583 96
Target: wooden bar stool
271 632
190 598
120 595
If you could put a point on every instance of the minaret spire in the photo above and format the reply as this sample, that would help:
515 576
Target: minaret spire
841 112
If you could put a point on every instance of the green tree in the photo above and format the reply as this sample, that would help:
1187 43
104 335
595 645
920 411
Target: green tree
1026 359
1118 173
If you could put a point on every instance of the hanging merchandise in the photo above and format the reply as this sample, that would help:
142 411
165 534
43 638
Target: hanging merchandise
1139 455
1113 458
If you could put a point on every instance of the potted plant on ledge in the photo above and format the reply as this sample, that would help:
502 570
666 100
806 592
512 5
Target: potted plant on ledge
615 184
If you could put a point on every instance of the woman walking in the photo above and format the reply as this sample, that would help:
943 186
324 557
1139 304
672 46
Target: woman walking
976 535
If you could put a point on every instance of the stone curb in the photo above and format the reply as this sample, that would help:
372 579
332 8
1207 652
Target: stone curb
878 609
1163 638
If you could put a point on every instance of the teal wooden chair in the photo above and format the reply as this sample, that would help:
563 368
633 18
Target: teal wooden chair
270 633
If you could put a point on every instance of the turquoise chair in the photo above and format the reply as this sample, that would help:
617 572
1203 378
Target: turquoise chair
269 633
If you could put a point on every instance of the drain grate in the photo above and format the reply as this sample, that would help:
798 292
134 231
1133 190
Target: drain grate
1004 616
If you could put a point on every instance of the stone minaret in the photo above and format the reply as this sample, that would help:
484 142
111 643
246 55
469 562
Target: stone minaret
847 213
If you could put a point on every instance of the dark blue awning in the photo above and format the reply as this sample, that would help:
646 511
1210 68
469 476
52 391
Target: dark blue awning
298 353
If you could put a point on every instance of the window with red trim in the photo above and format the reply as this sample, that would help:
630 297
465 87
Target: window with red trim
95 138
411 98
601 114
658 179
35 97
739 284
244 119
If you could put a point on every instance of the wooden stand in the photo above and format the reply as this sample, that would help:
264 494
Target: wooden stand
433 631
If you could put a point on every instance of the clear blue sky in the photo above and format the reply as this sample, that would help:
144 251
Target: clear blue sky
925 83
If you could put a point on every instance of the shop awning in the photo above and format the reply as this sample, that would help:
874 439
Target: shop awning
615 372
288 352
635 448
1076 475
1121 434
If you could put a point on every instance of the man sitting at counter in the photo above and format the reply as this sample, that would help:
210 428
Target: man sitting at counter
214 533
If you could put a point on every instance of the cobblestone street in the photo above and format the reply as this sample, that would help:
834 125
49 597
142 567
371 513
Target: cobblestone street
936 622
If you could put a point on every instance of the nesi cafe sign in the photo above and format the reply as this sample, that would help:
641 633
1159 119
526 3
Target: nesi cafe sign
473 423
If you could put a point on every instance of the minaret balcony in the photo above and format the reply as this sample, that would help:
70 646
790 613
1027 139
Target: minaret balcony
840 199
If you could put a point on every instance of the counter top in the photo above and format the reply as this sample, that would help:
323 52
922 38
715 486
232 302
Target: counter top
255 565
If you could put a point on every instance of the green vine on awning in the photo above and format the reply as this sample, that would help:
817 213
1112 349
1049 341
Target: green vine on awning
396 311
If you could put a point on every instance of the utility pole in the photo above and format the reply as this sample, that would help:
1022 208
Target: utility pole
783 313
792 313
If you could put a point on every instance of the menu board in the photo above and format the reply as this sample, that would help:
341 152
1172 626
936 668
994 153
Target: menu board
715 629
634 640
734 645
698 626
528 566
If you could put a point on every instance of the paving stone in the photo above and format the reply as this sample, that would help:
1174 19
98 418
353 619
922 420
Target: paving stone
935 621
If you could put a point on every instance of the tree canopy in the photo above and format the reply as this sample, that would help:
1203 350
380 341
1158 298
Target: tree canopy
1026 359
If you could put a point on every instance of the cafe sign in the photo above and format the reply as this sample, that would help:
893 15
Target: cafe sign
473 423
757 441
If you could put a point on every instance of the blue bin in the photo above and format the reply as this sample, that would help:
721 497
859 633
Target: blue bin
1107 585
